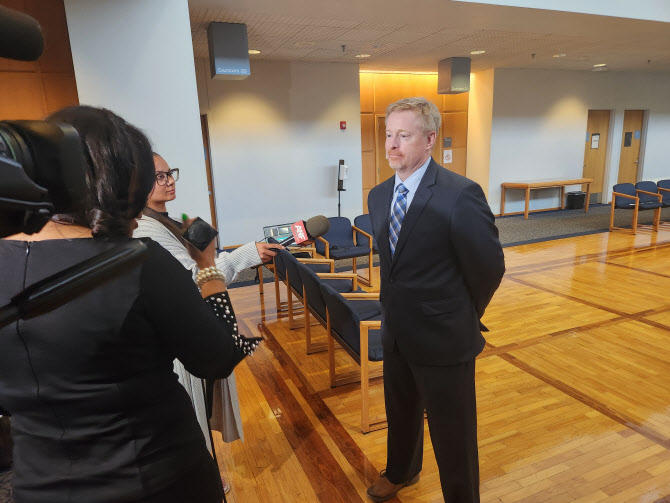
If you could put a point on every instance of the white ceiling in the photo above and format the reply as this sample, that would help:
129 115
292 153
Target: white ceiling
415 35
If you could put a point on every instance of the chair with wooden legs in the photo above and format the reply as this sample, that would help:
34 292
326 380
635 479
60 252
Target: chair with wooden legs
278 268
354 321
338 243
650 199
364 235
663 187
294 282
313 304
627 196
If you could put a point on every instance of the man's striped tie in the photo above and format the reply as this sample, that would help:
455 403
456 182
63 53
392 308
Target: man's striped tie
399 210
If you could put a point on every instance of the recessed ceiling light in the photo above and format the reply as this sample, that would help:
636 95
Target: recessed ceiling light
254 51
362 55
599 65
304 44
477 52
560 55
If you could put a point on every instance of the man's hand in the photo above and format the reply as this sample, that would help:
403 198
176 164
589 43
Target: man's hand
267 251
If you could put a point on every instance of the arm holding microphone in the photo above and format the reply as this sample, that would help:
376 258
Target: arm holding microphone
230 263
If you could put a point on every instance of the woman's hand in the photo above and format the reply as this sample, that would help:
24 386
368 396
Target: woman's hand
202 258
266 251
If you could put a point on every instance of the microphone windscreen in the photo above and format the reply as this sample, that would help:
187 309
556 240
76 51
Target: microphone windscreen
317 226
20 36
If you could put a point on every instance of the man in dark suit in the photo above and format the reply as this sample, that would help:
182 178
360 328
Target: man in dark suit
441 263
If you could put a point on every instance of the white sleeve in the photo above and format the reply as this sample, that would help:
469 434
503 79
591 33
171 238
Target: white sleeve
148 227
230 264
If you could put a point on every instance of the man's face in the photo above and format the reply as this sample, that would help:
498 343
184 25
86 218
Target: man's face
408 145
162 193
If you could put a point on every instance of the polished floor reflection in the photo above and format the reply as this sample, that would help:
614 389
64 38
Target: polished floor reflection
573 388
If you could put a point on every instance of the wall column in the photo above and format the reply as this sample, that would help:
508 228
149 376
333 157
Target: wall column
480 121
136 58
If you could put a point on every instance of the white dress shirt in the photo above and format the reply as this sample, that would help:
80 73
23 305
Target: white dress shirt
411 184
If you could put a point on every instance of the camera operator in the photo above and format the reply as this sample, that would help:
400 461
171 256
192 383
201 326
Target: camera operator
98 415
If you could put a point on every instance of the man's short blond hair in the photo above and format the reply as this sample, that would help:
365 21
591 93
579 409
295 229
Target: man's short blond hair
427 112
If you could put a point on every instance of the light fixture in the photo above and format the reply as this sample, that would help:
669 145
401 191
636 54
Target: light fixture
560 55
254 51
599 65
477 52
305 44
362 55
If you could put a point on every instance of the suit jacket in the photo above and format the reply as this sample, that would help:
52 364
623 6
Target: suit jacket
447 265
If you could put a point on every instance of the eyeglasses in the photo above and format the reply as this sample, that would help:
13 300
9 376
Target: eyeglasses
162 176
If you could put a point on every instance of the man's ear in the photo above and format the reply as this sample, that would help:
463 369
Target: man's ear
432 137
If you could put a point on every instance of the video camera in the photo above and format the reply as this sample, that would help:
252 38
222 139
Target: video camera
42 165
42 173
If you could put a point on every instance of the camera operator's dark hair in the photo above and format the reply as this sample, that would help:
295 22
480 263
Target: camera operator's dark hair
120 172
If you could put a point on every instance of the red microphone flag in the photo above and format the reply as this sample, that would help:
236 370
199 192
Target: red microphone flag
299 232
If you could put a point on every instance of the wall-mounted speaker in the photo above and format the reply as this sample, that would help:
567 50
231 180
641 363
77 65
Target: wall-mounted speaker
228 51
453 76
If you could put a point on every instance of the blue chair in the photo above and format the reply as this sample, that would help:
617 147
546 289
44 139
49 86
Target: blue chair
636 197
663 187
287 266
313 303
650 199
363 236
354 321
338 243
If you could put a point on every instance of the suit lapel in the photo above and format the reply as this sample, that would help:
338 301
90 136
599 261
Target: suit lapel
421 198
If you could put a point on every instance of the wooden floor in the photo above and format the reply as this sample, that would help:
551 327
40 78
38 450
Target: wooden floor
573 389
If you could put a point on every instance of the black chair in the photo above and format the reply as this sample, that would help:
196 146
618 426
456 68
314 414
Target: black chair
627 196
354 321
338 243
313 303
363 236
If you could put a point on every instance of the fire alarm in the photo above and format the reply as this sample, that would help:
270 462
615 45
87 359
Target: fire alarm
343 125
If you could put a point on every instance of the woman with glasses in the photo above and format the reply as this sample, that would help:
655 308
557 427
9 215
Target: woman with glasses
97 413
157 225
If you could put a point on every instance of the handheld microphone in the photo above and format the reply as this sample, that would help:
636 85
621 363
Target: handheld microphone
310 229
20 36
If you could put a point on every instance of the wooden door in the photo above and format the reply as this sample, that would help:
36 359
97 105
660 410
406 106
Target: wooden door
630 146
208 166
595 149
452 145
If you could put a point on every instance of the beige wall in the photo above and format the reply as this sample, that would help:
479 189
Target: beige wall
276 142
480 120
